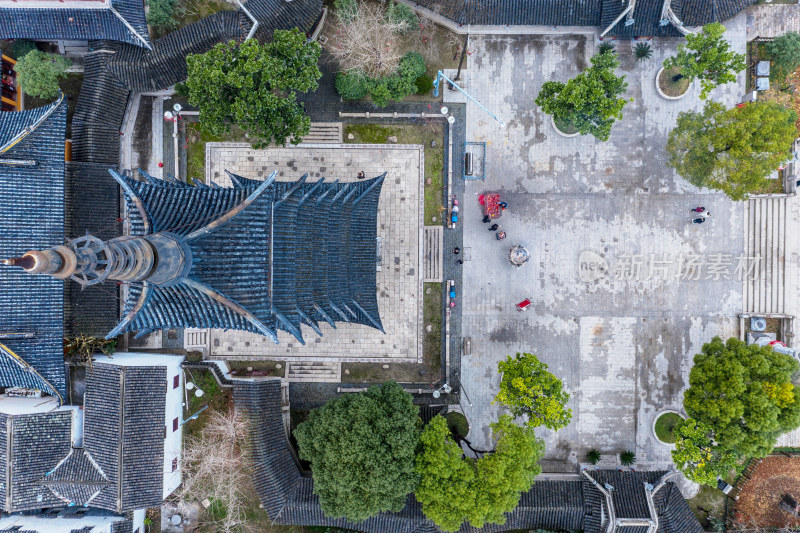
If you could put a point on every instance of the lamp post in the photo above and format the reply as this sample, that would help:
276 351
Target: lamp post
174 116
440 76
447 389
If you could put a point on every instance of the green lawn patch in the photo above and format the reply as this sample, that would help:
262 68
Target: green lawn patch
434 155
432 314
196 148
217 399
665 427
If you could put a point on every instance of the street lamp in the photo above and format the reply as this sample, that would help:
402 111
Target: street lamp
447 389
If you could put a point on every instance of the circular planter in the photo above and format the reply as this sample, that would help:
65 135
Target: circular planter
666 96
553 122
655 421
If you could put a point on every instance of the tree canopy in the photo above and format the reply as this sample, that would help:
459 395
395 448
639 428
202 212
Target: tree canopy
590 101
784 52
361 449
454 488
38 73
698 456
528 389
744 395
255 86
707 56
733 150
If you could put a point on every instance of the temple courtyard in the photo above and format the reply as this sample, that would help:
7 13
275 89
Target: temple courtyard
399 281
654 287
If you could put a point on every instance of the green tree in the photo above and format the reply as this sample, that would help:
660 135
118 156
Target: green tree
361 449
351 85
161 13
508 472
744 393
733 150
708 57
590 101
642 52
454 488
527 388
698 456
627 458
20 47
38 73
446 478
784 52
255 87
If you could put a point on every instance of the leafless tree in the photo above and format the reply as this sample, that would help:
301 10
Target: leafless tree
367 41
215 467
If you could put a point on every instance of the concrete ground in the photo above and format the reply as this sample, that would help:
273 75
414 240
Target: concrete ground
399 281
623 344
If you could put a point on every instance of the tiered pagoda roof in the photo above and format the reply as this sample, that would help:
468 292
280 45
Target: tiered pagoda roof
264 255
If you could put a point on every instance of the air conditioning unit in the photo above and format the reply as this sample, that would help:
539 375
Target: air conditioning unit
758 323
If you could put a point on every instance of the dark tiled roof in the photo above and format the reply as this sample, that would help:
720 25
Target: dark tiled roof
99 111
92 204
32 219
585 13
674 514
122 20
281 15
518 12
76 479
646 16
319 250
145 70
38 442
123 526
124 421
701 12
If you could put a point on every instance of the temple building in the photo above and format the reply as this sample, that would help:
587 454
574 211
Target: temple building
259 256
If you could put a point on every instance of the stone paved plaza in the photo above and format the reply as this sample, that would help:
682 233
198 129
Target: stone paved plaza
400 222
623 344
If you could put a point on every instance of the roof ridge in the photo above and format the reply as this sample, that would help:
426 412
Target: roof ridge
128 25
31 128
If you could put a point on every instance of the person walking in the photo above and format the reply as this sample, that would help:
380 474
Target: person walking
456 250
493 227
486 219
705 214
698 209
698 220
460 261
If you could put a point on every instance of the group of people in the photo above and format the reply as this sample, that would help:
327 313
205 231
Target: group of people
701 215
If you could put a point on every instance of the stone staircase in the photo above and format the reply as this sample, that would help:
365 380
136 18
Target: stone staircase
324 132
314 372
765 238
432 255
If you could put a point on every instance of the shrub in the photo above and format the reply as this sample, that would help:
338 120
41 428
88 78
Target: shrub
20 47
402 14
351 85
346 9
627 458
161 13
424 84
412 65
593 456
785 54
605 47
643 52
38 73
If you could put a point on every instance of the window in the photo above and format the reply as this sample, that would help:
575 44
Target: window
176 381
175 424
175 464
